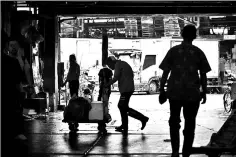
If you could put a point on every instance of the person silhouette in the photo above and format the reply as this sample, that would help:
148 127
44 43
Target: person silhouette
105 75
183 89
73 76
125 77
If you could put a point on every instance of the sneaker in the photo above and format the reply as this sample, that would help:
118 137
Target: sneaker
108 118
175 154
103 131
144 122
123 131
119 128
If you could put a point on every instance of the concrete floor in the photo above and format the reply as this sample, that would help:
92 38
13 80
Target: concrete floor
50 137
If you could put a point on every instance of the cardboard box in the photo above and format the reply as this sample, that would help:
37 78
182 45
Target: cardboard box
96 112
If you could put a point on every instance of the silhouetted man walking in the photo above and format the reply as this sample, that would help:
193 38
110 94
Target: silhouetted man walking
183 89
125 77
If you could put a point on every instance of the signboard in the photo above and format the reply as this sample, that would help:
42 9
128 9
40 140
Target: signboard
131 27
229 37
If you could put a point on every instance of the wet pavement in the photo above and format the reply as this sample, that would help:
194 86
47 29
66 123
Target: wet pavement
50 137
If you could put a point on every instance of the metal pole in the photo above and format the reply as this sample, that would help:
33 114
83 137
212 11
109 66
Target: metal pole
104 46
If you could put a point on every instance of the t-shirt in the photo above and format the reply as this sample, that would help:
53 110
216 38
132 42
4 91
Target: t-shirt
125 76
184 62
105 74
74 72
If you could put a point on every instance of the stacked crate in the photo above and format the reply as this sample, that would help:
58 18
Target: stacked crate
158 26
131 27
147 30
171 27
147 27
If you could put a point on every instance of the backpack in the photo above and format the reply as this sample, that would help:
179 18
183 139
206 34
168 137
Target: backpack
77 109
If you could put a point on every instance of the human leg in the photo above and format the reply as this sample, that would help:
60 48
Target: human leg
102 125
174 123
137 115
76 84
190 110
222 76
74 87
100 93
71 87
18 115
123 107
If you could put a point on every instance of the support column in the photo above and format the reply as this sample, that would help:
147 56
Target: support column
6 15
49 54
57 57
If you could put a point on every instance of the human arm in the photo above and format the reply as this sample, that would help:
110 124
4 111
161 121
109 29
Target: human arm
117 74
162 95
78 71
27 72
66 77
204 69
110 78
100 77
203 81
113 80
164 79
19 74
166 67
63 84
92 98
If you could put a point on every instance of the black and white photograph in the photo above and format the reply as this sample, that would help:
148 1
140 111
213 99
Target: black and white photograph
118 78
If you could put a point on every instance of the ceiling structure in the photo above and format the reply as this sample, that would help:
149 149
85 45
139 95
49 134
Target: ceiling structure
136 8
91 10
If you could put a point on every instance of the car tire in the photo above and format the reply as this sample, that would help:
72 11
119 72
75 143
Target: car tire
153 88
227 104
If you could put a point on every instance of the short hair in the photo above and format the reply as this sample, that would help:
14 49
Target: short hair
189 32
87 91
110 59
72 57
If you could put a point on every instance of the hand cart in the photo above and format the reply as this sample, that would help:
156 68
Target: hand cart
95 115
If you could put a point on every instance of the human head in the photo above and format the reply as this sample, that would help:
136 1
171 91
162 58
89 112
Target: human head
111 61
72 58
87 91
189 32
15 46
